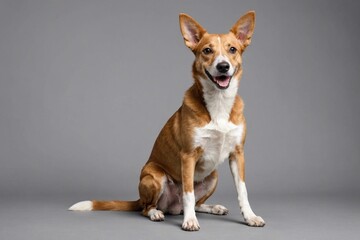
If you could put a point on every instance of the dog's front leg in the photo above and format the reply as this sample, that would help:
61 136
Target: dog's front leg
237 166
188 162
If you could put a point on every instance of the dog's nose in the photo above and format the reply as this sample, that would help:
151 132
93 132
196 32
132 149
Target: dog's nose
223 67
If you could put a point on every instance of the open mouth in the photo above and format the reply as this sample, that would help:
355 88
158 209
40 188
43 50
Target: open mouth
222 81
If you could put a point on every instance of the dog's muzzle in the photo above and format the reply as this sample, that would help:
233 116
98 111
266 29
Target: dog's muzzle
221 81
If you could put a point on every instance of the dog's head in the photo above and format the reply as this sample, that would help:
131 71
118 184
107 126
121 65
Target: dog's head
217 56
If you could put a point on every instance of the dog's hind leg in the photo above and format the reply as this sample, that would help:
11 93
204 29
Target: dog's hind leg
151 187
204 190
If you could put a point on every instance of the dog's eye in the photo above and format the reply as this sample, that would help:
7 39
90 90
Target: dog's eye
232 50
207 50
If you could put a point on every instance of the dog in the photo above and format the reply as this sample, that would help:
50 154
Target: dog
208 128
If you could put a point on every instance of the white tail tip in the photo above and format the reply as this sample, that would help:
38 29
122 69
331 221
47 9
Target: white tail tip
82 206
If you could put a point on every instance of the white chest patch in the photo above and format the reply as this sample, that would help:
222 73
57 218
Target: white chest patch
219 137
217 141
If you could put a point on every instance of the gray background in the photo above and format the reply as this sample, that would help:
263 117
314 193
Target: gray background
85 87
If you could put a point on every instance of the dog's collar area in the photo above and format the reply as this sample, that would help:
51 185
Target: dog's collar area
221 82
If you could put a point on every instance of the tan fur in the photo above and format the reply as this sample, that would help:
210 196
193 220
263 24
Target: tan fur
116 205
173 155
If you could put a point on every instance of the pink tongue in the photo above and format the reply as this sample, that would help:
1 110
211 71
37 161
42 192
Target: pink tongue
223 83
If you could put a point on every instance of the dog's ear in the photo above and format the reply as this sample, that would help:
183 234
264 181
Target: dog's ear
191 30
244 28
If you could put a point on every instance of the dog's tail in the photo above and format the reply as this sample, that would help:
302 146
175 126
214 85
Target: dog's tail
107 206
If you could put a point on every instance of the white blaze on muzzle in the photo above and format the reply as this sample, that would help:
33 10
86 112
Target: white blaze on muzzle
222 79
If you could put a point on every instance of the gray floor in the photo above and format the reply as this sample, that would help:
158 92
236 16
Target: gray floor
287 217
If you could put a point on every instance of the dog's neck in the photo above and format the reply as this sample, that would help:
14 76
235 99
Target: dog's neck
218 102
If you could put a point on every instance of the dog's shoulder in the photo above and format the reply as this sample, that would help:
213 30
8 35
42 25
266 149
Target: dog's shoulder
236 114
194 107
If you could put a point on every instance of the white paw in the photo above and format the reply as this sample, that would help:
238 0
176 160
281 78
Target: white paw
219 210
191 224
255 221
156 215
82 206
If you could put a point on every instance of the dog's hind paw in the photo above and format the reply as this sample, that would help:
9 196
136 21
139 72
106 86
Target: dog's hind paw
219 210
212 209
156 215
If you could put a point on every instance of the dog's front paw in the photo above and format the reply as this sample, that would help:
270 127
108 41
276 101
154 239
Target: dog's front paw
255 221
191 224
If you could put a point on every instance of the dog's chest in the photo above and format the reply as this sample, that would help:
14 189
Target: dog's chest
220 136
218 140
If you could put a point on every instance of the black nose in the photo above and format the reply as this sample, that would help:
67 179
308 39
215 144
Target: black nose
223 67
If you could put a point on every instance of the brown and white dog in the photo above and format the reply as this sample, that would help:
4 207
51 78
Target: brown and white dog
209 127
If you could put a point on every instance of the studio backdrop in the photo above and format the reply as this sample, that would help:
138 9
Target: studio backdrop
86 86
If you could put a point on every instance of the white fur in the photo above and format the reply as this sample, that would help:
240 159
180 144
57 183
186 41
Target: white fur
190 221
221 58
219 102
219 137
213 209
219 40
82 206
156 215
189 205
244 204
217 141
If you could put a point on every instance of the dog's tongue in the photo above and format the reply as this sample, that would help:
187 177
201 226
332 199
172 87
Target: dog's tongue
222 81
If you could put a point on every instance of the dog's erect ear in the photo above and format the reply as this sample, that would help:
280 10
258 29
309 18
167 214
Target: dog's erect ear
191 30
244 28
